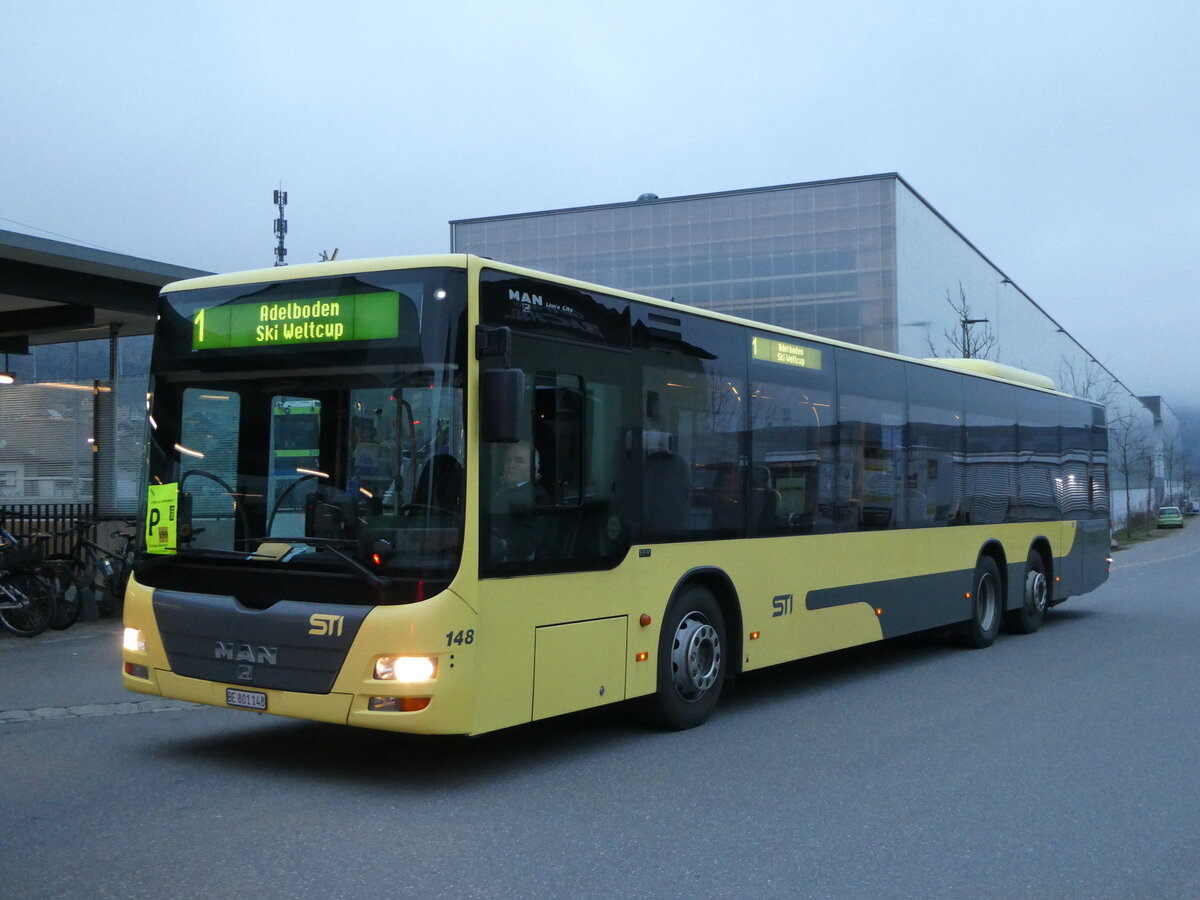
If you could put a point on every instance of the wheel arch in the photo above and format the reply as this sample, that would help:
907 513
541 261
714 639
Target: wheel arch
1041 546
720 585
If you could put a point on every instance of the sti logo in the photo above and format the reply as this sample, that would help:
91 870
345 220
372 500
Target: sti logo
325 625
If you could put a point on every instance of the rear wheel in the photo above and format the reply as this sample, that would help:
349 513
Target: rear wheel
1028 618
26 603
691 659
981 628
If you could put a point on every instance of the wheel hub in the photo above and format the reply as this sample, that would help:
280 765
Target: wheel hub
695 657
1035 591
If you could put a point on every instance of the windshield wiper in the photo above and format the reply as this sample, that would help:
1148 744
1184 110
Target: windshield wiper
216 551
330 544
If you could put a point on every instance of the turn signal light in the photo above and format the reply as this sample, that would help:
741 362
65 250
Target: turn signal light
642 656
397 704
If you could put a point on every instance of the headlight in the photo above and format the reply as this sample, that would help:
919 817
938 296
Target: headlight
406 668
134 641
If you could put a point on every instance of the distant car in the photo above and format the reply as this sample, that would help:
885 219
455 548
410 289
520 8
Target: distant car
1170 517
1192 509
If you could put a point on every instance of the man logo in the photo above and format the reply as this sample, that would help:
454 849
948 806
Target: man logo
325 625
246 653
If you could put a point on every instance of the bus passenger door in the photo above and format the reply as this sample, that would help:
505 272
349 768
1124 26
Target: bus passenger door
295 459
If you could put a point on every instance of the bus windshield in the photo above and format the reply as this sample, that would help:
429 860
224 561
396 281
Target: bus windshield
314 424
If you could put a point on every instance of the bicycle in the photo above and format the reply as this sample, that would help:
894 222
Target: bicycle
71 593
98 570
27 598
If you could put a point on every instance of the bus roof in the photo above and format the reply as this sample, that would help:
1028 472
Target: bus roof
318 270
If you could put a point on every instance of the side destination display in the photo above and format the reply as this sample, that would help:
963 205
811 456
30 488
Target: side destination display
774 351
354 317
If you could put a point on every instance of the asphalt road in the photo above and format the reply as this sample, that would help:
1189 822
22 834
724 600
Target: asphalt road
1062 764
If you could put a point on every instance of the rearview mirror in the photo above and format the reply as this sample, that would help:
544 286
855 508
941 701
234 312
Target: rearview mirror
501 393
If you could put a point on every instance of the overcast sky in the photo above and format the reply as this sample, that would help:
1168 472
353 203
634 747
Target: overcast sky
1062 139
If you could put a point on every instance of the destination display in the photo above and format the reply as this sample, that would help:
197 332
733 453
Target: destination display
774 351
271 323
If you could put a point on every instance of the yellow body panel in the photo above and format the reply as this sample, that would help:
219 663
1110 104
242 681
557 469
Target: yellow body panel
578 665
544 645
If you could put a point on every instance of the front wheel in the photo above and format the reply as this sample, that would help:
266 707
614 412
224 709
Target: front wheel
691 660
981 629
1028 618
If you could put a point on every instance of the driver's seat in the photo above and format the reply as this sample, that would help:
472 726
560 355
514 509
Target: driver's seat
441 483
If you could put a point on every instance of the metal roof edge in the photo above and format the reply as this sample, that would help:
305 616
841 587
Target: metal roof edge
27 248
679 199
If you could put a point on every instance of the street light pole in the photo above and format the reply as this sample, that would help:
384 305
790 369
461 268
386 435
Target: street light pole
966 340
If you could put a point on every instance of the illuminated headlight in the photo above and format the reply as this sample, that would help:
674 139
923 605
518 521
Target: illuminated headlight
406 668
134 640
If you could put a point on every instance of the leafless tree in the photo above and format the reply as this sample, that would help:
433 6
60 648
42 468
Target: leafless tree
1127 449
1172 457
1147 462
1089 381
964 340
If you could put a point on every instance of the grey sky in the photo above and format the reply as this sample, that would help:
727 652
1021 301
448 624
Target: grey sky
1061 138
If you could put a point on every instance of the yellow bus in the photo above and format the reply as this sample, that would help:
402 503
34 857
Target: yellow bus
523 495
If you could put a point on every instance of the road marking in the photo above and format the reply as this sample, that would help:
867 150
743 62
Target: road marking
1118 567
87 710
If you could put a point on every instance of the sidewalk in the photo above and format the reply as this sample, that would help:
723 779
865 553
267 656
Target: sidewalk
57 669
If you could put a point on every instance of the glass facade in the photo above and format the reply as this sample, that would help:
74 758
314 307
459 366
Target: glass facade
70 433
816 257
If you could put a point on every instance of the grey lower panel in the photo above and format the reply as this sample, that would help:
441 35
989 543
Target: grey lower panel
215 638
1085 568
907 604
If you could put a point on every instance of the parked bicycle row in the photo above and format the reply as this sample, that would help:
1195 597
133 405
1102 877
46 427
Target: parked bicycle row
40 589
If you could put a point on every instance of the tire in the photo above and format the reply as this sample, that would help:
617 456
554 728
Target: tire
28 615
69 592
987 605
691 660
1035 599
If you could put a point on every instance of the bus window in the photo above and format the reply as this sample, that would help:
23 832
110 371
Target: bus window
991 462
208 463
295 455
871 398
553 501
1044 484
694 426
793 418
935 455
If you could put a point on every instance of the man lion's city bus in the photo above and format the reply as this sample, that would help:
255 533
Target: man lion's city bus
447 495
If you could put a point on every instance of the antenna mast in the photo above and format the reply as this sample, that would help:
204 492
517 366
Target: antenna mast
280 227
